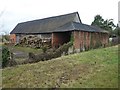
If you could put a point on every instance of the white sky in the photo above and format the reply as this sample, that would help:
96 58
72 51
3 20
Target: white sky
16 11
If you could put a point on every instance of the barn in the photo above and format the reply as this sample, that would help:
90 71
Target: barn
60 29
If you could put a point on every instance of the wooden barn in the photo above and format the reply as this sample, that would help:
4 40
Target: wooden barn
59 30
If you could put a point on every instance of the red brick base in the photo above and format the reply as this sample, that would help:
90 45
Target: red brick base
87 40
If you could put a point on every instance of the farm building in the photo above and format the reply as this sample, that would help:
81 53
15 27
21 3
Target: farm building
59 29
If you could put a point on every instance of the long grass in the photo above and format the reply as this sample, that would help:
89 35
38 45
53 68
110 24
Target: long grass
91 69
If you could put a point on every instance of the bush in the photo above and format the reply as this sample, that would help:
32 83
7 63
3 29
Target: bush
48 55
31 56
11 61
5 38
44 48
5 56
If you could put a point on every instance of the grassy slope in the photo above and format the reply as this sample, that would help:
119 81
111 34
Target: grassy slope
95 68
23 49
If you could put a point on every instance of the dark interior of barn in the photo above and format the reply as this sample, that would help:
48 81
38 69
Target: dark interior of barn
59 38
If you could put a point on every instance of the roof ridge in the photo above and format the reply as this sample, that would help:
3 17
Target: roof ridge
51 17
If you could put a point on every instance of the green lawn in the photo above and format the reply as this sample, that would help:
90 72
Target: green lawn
24 49
91 69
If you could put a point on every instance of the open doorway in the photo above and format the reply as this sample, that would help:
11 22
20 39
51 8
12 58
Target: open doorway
59 38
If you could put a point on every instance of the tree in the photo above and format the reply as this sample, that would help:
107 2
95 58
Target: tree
109 25
4 50
104 24
98 21
5 56
117 30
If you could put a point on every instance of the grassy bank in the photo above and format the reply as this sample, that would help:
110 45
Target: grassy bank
23 49
93 69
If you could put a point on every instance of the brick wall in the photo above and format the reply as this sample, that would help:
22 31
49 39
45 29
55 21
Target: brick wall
81 40
60 38
86 40
76 39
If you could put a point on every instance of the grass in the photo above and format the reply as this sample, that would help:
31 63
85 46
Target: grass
92 69
0 65
24 49
21 53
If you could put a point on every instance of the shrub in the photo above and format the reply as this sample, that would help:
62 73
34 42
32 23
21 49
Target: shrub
31 56
11 61
48 55
61 49
44 49
5 56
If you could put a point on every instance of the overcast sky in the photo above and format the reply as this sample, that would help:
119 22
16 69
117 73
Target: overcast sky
16 11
